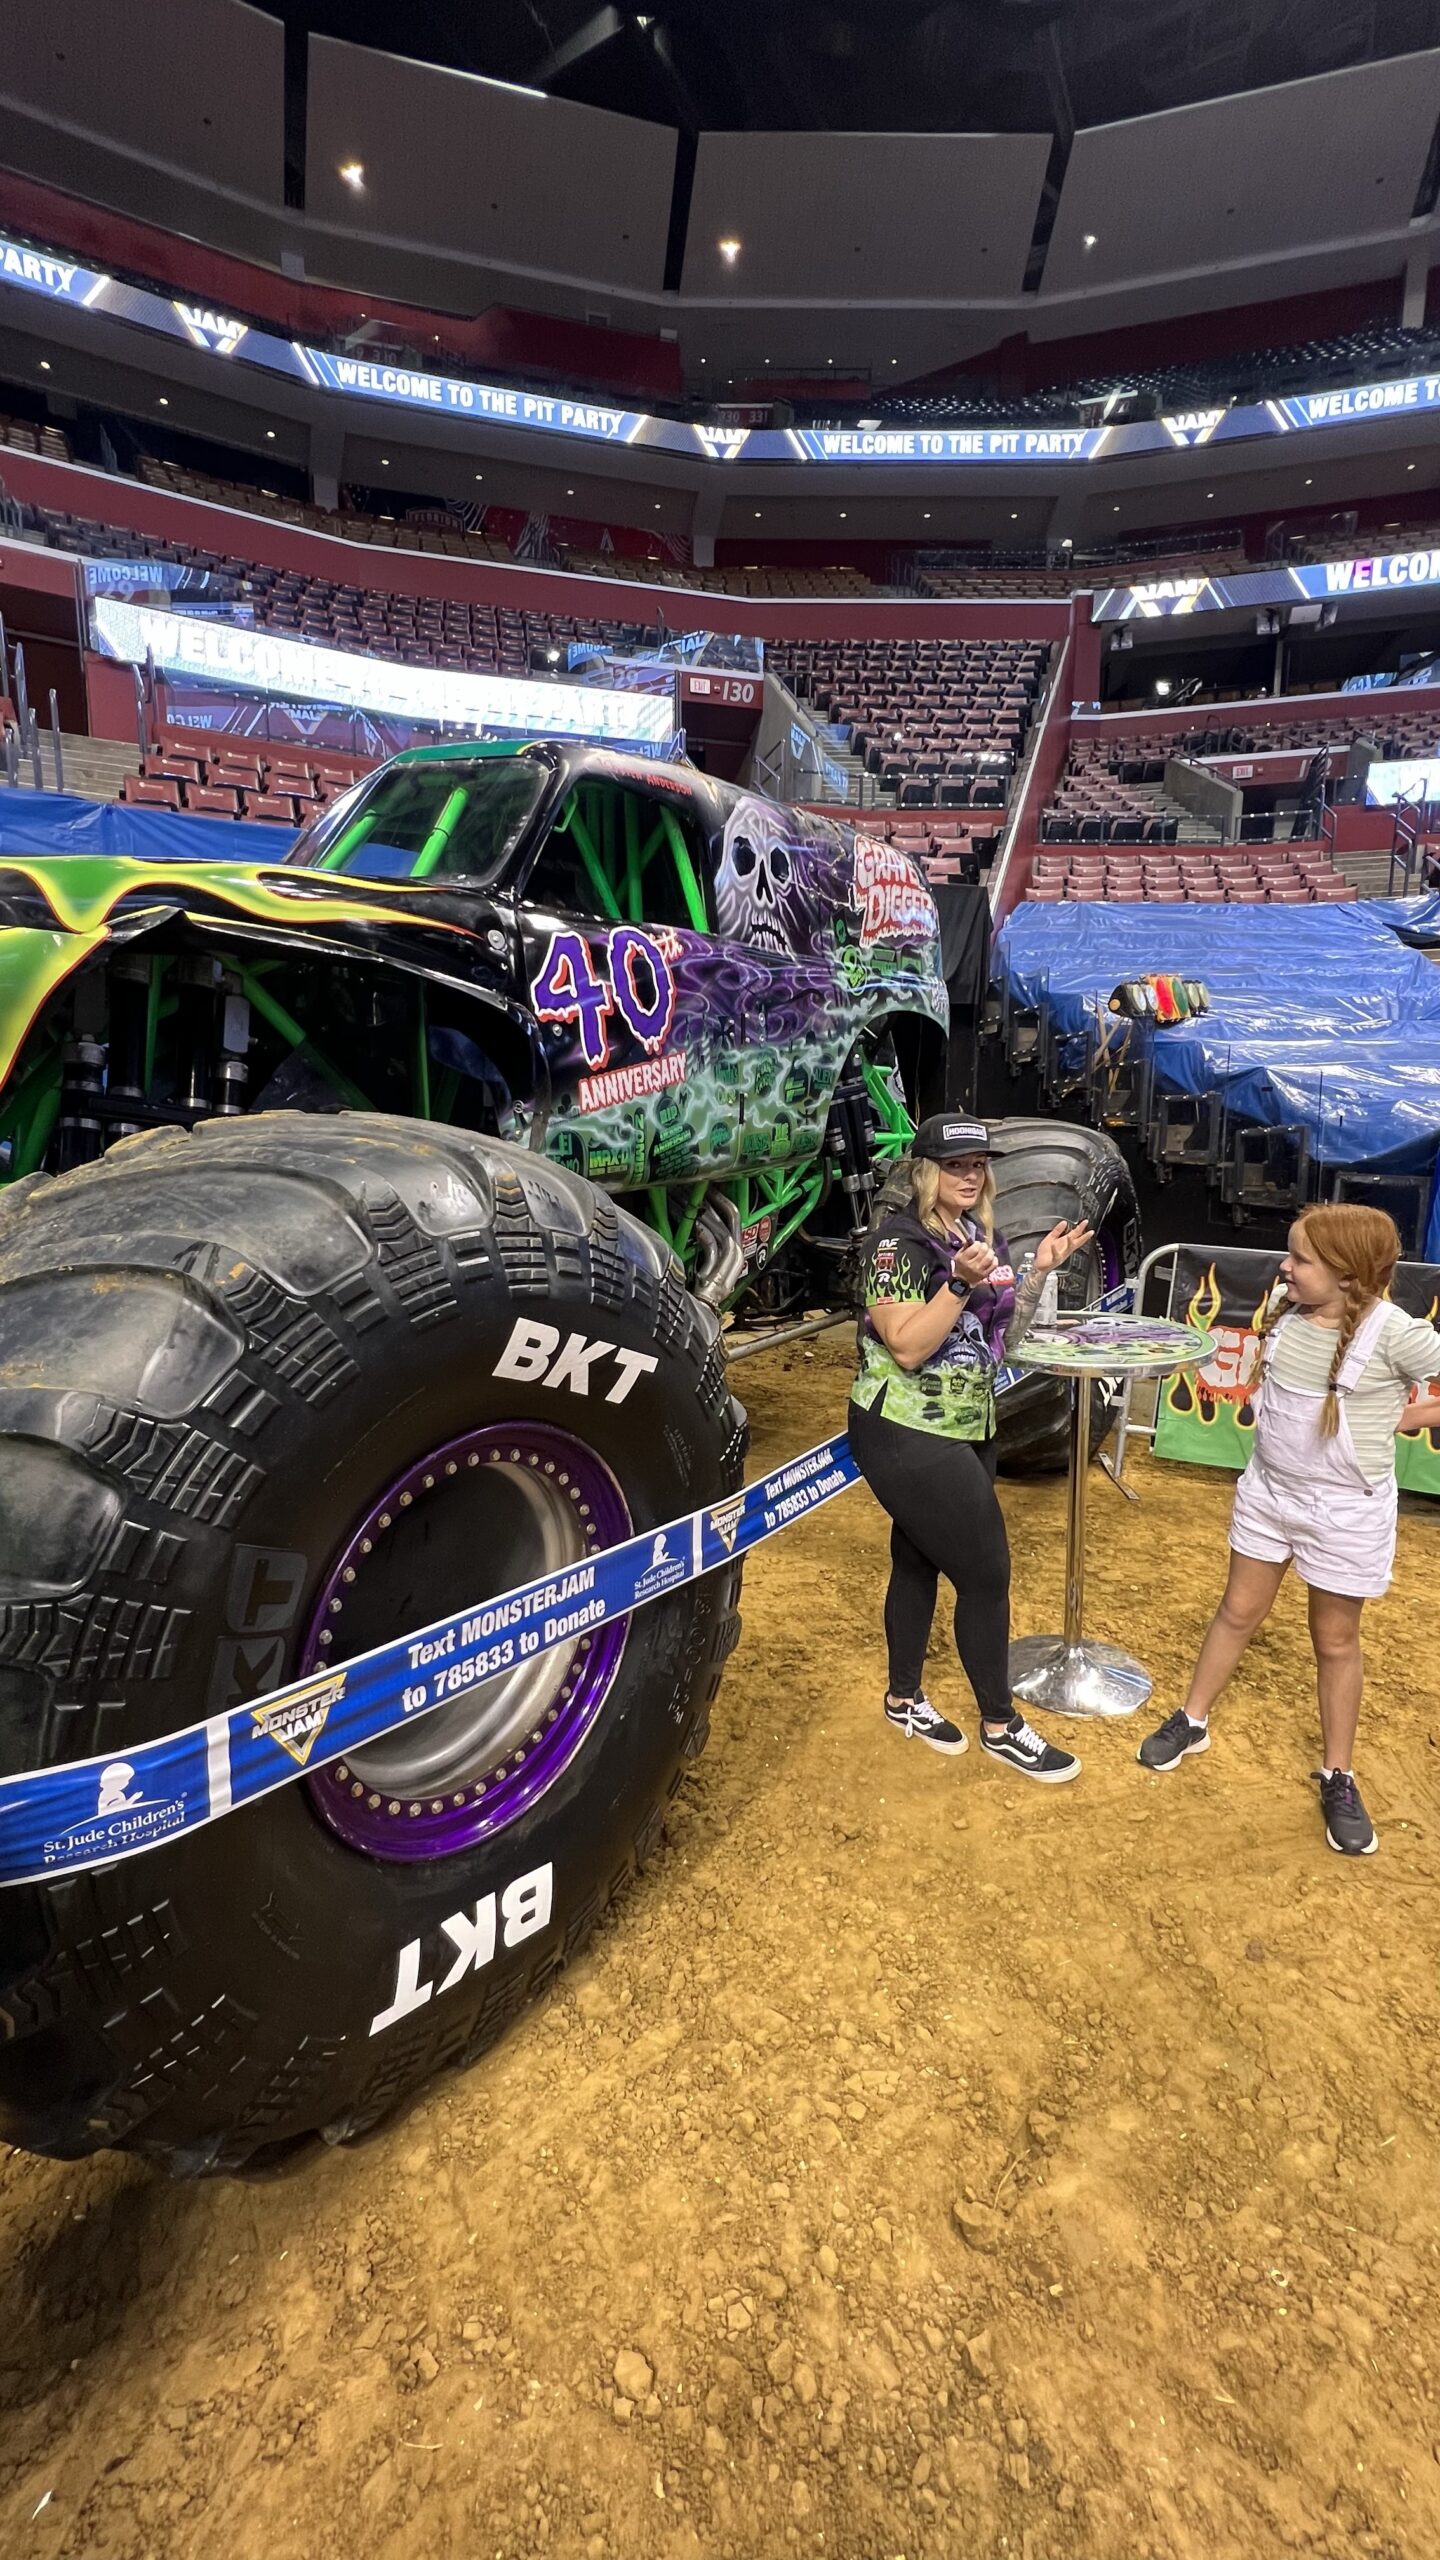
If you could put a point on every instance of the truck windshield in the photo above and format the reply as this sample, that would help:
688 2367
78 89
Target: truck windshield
453 820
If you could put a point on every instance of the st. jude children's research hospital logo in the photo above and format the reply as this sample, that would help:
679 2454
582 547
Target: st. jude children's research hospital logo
124 1818
662 1572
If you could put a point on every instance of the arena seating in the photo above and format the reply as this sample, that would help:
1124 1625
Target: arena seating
1228 874
1021 573
419 630
1261 373
1111 791
941 724
22 435
351 524
211 774
946 848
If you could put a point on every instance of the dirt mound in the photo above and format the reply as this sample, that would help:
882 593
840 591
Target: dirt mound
921 2162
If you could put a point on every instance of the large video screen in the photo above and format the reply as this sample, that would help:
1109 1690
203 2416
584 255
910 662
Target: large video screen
1408 778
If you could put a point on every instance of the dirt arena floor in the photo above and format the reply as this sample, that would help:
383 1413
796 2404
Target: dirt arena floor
921 2162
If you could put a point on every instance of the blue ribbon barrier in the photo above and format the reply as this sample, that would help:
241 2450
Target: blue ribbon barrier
92 1813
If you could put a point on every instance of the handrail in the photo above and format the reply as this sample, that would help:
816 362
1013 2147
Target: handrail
1019 805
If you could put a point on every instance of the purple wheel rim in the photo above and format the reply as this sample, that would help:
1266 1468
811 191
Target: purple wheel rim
431 1820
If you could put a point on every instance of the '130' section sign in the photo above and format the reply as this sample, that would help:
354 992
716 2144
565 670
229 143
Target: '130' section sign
634 980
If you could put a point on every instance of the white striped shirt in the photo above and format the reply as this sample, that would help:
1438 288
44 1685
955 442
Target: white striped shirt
1407 1354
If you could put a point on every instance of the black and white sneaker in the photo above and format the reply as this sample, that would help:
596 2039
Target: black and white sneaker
1348 1826
1024 1749
1173 1741
920 1722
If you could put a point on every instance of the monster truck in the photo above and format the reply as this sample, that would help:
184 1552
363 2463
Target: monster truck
369 1215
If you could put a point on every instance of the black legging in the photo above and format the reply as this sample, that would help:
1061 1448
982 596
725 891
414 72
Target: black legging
944 1518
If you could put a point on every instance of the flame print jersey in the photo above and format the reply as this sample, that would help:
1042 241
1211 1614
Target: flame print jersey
953 1393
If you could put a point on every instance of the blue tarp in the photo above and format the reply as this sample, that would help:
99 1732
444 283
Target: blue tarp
1321 1015
61 822
1415 919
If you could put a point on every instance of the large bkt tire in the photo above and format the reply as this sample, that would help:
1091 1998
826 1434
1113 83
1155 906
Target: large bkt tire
1047 1170
268 1394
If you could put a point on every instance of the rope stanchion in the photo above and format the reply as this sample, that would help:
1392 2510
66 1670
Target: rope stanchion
84 1814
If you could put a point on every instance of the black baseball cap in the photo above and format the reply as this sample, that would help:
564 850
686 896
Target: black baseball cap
945 1135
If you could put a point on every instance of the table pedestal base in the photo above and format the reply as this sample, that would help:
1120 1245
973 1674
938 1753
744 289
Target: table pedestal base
1080 1679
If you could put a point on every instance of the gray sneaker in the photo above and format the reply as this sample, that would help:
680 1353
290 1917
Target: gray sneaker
1348 1826
1172 1742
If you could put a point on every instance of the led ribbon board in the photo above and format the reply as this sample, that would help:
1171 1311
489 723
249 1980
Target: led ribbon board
266 662
89 1813
1388 573
230 341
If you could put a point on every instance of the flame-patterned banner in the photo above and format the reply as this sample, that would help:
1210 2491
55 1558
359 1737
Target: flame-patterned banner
1206 1416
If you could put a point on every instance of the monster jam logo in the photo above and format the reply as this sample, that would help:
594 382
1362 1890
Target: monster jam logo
297 1721
894 904
725 1519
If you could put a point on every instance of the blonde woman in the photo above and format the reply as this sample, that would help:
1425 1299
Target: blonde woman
942 1305
1319 1493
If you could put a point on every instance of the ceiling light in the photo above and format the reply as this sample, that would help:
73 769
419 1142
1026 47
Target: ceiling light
1409 466
384 461
353 173
552 657
869 422
1162 684
1089 240
1114 511
1309 484
479 475
927 515
1015 516
1209 493
657 506
164 403
44 364
757 515
842 515
729 251
569 492
829 359
270 435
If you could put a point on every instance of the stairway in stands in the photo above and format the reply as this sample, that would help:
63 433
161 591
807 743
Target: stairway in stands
1193 830
94 768
1369 873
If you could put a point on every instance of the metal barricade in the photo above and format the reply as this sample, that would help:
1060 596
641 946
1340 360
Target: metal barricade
1127 1427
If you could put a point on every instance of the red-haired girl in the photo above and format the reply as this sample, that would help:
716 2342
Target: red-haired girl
1319 1493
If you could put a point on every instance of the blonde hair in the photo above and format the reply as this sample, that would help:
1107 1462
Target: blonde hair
1361 1247
925 1177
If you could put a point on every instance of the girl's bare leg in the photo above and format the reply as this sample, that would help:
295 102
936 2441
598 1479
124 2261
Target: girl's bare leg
1339 1671
1248 1601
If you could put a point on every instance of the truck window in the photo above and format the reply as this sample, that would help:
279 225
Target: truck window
623 857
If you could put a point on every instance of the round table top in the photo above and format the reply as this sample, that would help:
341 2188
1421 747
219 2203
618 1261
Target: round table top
1105 1345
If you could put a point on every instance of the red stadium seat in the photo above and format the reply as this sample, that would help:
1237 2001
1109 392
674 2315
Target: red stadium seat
150 791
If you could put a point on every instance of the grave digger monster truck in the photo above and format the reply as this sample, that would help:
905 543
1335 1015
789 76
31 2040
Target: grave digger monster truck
367 1220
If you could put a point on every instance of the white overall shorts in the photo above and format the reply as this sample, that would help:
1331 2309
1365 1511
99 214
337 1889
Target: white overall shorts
1304 1499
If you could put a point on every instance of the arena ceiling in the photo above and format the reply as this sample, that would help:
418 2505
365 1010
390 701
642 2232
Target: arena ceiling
927 66
905 185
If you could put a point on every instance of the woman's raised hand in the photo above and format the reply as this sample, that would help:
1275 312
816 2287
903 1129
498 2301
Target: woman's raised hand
973 1263
1060 1243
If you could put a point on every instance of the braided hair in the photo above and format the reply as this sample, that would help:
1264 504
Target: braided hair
1361 1247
